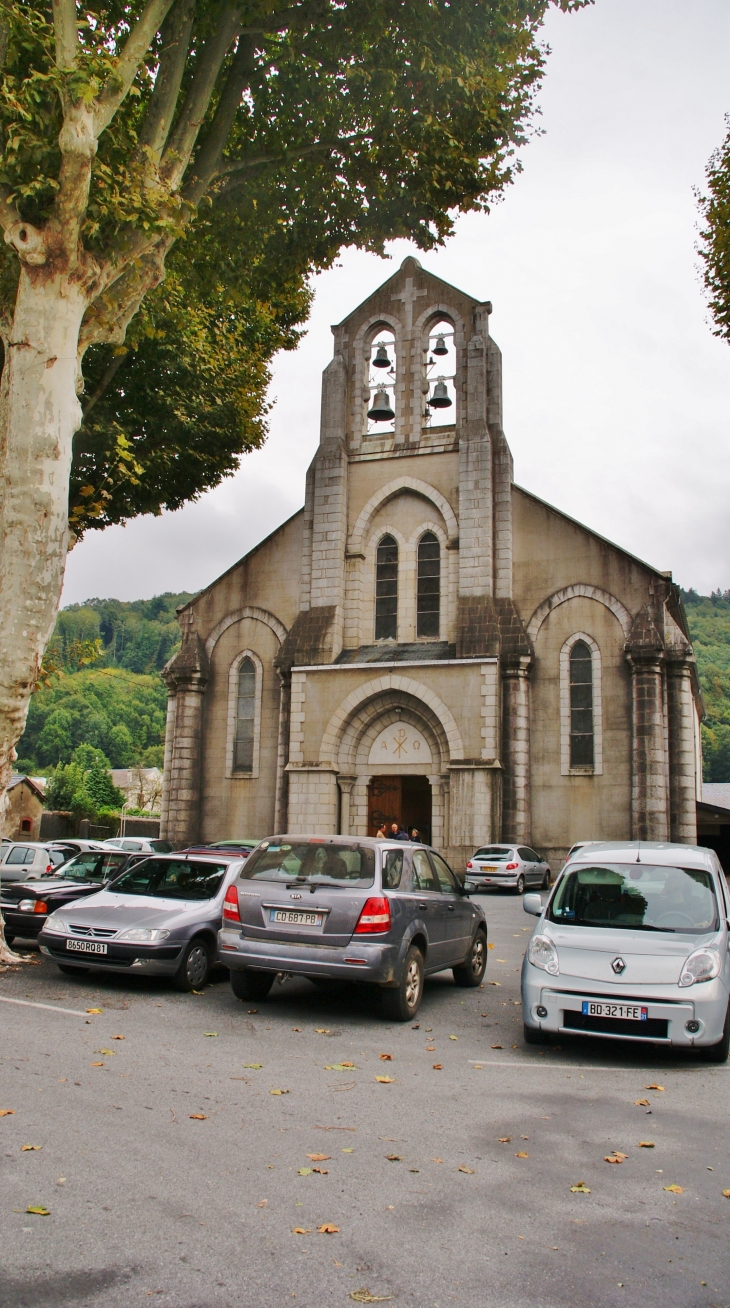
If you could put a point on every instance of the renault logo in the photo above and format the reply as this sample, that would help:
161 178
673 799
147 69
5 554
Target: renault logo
618 966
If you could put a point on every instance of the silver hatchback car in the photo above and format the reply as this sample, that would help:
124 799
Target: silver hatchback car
632 944
508 866
345 908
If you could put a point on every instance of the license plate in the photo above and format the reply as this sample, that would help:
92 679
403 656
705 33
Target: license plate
86 946
295 917
635 1012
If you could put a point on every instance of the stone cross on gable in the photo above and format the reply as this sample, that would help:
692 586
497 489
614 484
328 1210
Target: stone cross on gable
409 297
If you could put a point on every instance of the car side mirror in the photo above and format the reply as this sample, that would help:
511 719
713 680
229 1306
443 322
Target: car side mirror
532 904
467 887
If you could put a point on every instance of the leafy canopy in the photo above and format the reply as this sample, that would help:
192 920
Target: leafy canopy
715 247
708 618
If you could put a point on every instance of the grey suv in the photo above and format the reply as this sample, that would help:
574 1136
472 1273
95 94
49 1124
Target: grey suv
339 907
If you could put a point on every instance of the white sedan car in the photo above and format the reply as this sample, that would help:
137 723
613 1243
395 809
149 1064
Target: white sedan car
632 944
510 866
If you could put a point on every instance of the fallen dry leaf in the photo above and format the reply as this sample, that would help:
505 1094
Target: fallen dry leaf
654 1086
262 1204
364 1296
490 945
646 1144
322 1030
504 1139
497 1046
7 1112
304 1171
96 1064
522 1154
385 1080
24 1149
386 1058
279 1092
256 1066
328 1229
210 1033
319 1158
297 1028
109 1052
302 1230
673 1189
580 1188
453 1037
393 1158
726 1194
338 1067
93 1010
118 1037
524 1137
438 1067
39 1210
615 1157
437 1160
198 1117
469 1170
430 1049
347 1151
323 1171
643 1103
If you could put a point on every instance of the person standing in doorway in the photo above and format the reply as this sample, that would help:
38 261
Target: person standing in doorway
397 833
415 836
380 833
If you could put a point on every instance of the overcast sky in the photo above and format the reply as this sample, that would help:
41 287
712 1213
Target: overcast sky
617 396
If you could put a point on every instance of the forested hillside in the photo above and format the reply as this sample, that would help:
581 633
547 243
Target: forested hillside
101 684
709 623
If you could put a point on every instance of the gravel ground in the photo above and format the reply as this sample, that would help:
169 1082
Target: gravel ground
176 1163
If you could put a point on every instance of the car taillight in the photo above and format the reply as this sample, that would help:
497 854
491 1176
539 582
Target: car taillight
470 864
511 866
40 906
49 868
230 905
375 916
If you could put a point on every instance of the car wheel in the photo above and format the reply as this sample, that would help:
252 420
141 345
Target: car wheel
71 971
401 1002
472 971
194 967
520 886
545 883
252 985
718 1053
534 1036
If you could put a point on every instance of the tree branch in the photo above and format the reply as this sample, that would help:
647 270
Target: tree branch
9 215
66 33
175 34
296 18
4 39
208 159
105 381
177 155
135 47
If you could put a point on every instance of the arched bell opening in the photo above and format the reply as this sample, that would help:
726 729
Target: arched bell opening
439 373
381 378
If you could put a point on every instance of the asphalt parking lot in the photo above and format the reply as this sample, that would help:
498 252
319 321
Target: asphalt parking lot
198 1161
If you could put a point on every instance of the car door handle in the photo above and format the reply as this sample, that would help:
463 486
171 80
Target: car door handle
450 907
423 906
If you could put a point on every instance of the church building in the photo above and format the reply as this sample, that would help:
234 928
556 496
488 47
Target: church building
426 642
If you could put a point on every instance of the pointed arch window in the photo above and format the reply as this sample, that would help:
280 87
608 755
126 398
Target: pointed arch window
386 590
581 706
429 586
245 715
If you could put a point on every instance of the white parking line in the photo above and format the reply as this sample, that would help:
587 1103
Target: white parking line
28 1003
582 1067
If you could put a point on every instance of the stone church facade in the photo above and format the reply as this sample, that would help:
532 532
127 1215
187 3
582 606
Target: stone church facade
425 641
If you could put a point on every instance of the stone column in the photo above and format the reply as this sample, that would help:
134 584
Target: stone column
648 781
167 764
186 677
282 755
516 798
345 784
682 779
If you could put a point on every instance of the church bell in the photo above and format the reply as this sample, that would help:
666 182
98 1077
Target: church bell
381 359
440 347
440 398
381 410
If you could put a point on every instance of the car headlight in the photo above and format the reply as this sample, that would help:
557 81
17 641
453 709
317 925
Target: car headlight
541 952
146 934
702 965
54 922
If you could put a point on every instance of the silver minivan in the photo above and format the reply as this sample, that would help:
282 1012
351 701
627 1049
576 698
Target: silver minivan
632 944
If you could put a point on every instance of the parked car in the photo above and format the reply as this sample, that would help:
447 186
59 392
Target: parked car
360 910
632 944
25 905
25 860
242 847
579 844
138 845
514 866
159 918
73 845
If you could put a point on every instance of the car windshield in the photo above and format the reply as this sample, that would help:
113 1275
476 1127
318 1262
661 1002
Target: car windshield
171 878
312 860
92 866
637 897
494 852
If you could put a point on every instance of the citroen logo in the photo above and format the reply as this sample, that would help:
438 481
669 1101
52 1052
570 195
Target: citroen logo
618 966
295 896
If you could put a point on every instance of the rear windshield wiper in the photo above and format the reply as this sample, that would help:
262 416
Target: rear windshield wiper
305 884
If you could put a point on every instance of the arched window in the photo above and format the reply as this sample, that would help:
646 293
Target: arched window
386 590
429 586
245 714
581 705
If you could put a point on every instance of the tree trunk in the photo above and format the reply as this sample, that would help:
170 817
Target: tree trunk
39 413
